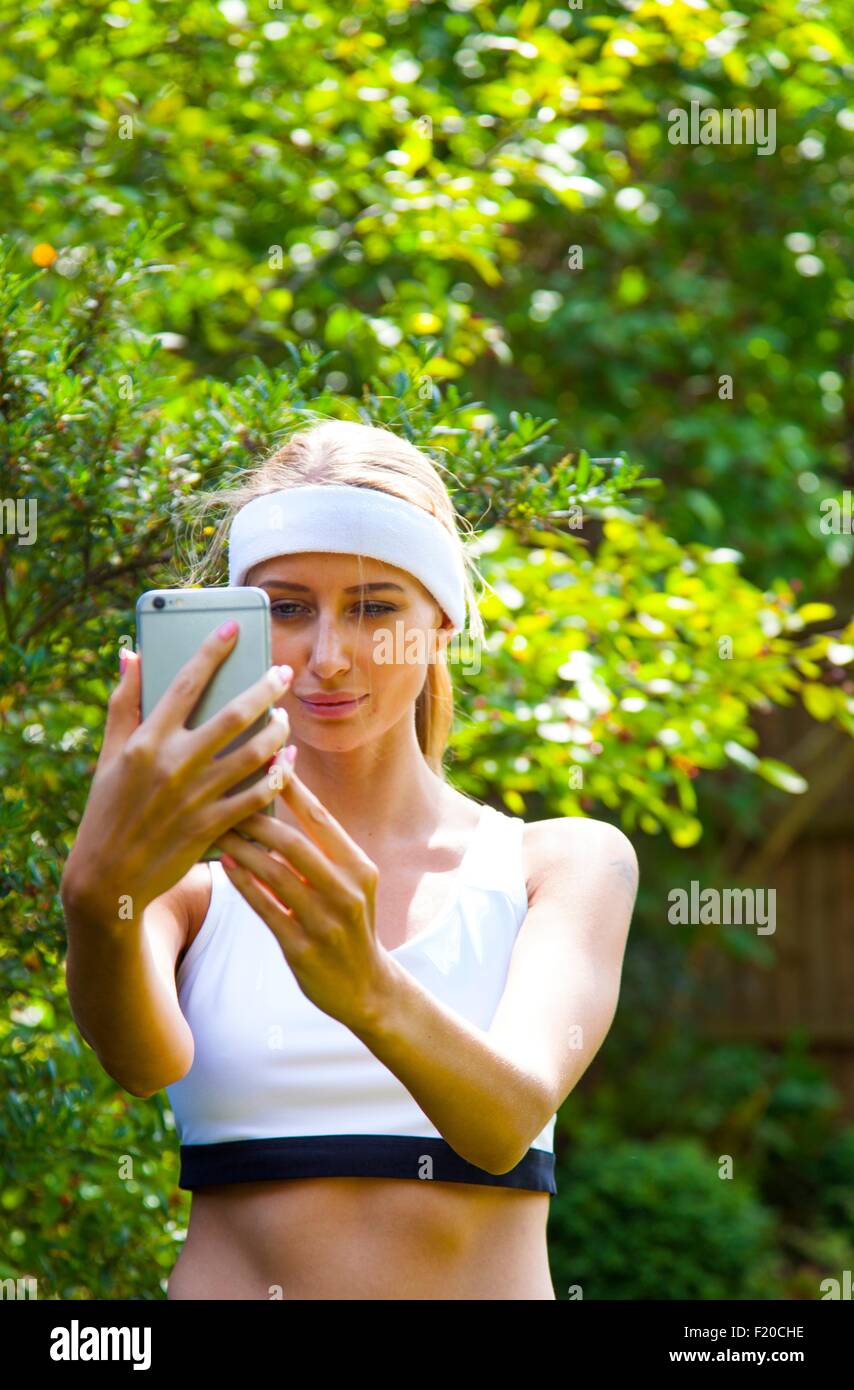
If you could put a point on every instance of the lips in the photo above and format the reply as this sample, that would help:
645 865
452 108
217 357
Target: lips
341 698
329 705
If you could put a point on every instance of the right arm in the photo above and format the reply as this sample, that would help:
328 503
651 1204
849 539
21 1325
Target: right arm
158 800
120 977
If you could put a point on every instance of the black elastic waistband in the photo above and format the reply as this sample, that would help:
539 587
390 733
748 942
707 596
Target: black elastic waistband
353 1156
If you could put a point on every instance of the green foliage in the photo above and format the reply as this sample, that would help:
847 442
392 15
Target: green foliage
655 1221
94 432
635 666
89 1204
250 218
774 1114
602 659
831 1182
353 179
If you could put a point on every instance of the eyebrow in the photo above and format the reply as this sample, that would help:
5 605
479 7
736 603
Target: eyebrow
354 588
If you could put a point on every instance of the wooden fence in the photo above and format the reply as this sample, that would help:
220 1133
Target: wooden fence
807 856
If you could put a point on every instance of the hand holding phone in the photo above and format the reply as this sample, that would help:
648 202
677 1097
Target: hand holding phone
170 623
160 795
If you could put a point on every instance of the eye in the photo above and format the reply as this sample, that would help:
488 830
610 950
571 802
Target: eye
378 608
277 607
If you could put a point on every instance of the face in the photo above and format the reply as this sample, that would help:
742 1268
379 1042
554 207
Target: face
364 630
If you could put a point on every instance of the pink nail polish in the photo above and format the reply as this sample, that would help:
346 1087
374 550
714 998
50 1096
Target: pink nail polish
227 630
290 753
123 661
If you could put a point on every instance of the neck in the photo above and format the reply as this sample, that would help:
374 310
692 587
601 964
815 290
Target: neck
380 792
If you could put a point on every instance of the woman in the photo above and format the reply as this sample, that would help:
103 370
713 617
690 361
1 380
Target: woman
367 1014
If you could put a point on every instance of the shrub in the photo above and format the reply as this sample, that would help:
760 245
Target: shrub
655 1221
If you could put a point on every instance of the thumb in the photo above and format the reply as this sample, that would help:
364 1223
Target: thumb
123 709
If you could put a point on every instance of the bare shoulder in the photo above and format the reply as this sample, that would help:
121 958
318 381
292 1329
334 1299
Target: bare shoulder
567 846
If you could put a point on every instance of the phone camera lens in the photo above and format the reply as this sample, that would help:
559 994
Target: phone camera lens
159 602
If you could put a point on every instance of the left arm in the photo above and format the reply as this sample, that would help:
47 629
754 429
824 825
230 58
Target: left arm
479 1096
491 1093
488 1093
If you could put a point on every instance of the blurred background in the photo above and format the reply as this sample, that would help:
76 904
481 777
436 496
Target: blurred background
467 222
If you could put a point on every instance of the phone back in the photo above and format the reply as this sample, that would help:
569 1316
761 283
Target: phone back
171 625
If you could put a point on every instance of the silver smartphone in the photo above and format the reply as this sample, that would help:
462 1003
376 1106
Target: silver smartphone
171 625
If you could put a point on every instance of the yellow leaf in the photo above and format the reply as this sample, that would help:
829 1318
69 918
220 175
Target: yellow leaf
418 151
621 533
280 301
735 66
424 323
686 834
818 700
440 366
482 264
825 38
815 612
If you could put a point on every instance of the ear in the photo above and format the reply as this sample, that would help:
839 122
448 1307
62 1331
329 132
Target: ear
444 629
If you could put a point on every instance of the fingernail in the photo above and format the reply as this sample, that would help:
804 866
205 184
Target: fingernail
290 753
283 674
227 861
227 630
123 660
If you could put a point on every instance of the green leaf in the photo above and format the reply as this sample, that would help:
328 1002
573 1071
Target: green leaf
705 508
782 776
737 753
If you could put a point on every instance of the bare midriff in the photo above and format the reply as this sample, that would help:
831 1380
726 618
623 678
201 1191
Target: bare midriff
364 1238
367 1238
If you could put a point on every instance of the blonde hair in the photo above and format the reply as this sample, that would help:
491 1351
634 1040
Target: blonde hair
343 451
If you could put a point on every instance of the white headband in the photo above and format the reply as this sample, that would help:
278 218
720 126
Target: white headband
343 518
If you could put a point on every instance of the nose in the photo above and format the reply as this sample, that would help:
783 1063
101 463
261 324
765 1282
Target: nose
329 655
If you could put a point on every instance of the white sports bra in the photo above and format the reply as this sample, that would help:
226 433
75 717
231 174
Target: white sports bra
280 1089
